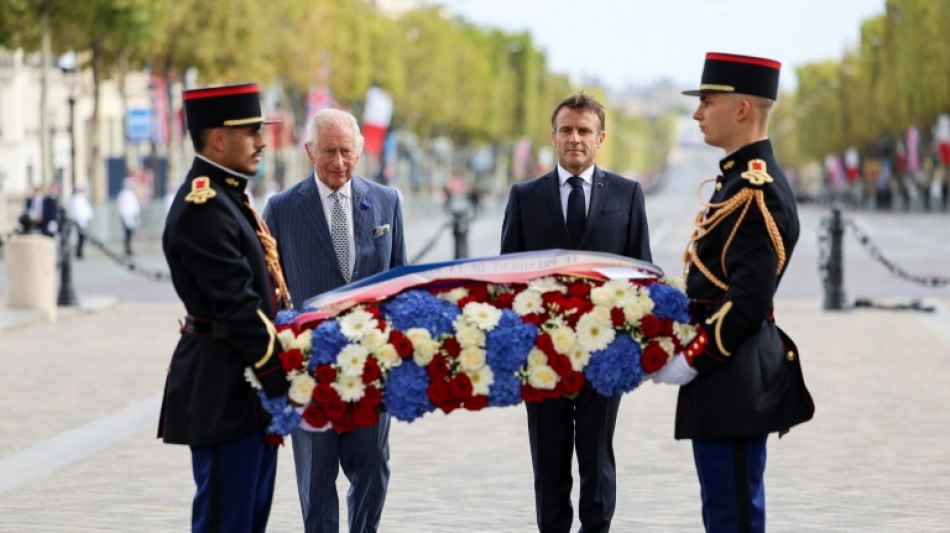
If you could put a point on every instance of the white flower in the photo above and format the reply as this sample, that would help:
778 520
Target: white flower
251 378
562 337
301 389
350 388
602 313
667 344
633 313
471 358
527 302
676 283
579 357
356 323
536 357
593 332
289 341
481 379
643 297
424 347
602 296
623 291
352 359
685 333
387 357
542 377
468 335
373 339
454 295
482 316
546 284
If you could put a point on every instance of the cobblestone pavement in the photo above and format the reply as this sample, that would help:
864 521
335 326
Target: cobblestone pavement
81 396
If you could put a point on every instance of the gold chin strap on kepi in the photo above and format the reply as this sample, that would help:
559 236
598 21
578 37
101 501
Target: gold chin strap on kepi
271 257
757 176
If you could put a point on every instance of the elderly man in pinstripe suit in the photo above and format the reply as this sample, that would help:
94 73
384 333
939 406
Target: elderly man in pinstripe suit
333 228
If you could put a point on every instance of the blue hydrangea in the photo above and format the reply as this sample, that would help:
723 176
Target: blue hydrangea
327 341
405 394
420 309
616 368
505 390
509 342
285 317
669 302
284 418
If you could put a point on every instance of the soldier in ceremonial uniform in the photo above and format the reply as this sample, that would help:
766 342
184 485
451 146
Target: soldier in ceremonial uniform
741 375
225 268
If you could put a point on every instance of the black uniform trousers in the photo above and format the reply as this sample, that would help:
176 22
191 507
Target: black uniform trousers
555 426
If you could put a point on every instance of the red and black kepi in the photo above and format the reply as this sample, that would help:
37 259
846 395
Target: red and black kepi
228 106
730 73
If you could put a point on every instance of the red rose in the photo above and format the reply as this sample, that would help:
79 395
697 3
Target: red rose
326 374
439 368
450 405
478 294
617 317
344 424
371 370
452 347
650 326
335 410
291 359
476 403
371 397
579 289
666 327
573 382
274 439
438 392
401 343
460 387
560 363
554 393
545 344
365 416
325 394
533 318
315 416
553 300
530 394
653 357
504 300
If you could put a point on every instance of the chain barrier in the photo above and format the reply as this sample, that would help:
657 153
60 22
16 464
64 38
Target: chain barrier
830 266
125 262
430 244
6 236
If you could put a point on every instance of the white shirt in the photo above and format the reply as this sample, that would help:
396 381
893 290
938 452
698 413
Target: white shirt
346 191
81 209
588 179
129 208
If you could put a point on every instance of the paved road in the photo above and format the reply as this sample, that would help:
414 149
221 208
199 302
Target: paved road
80 401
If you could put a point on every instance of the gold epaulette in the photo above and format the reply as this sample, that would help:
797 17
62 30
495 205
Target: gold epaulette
201 190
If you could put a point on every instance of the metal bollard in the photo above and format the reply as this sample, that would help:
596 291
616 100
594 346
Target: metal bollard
67 295
460 232
834 286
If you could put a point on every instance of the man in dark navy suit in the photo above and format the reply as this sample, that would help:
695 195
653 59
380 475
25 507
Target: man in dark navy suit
334 227
741 376
577 206
225 269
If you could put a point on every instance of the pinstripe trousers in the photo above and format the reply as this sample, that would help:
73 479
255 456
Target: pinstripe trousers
364 456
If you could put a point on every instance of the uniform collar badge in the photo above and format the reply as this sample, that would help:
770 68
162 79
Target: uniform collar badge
201 190
757 174
232 182
728 164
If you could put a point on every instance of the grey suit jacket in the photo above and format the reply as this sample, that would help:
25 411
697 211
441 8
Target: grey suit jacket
297 221
616 220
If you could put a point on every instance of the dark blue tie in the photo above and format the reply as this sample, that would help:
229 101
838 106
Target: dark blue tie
576 211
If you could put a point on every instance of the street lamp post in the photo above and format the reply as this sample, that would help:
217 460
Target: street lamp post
67 295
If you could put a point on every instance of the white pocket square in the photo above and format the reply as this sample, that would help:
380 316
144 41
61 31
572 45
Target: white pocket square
381 230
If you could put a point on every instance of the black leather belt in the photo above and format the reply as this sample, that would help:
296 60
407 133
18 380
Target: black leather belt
203 326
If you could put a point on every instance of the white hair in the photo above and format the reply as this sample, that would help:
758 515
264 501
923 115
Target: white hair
325 117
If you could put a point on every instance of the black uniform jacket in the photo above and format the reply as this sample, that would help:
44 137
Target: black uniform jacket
616 219
750 381
217 265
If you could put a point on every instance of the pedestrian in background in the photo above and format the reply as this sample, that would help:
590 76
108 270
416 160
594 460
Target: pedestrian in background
741 377
576 206
129 212
80 211
332 228
225 269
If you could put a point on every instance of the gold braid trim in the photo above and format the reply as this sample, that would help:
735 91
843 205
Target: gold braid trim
272 258
743 199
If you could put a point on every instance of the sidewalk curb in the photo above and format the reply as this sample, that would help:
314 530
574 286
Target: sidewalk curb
12 319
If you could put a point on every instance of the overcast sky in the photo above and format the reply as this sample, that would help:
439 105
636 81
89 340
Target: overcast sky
624 42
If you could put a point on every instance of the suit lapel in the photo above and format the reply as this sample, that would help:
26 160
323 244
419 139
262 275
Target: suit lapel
552 198
362 223
598 191
316 220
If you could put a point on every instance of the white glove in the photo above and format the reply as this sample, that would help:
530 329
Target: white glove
675 372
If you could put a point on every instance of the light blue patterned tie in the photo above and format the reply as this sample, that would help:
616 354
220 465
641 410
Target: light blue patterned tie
341 244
